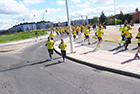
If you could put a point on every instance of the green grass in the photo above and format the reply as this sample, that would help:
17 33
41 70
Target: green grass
18 36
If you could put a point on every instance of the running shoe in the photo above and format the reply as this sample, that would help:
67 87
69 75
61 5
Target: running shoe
63 60
119 44
89 43
136 56
51 59
97 47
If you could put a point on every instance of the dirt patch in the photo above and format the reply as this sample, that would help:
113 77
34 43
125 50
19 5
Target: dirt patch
13 47
113 34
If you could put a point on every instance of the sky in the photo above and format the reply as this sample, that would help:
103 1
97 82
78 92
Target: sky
13 12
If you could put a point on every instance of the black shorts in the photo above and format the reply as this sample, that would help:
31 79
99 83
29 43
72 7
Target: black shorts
128 40
99 39
138 44
51 38
87 36
74 36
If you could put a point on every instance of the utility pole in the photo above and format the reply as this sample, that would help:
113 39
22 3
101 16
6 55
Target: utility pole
69 25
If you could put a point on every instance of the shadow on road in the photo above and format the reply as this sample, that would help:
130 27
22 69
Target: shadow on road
117 48
130 60
26 64
59 62
119 51
135 48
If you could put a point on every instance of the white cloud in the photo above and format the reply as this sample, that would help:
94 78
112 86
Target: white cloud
60 2
103 1
12 7
86 4
91 12
76 1
33 1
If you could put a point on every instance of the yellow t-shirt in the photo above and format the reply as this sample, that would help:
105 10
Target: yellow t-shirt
99 33
86 32
62 46
74 33
51 35
127 33
50 44
138 35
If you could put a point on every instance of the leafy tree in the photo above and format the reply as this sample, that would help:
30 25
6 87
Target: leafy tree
121 17
137 10
102 17
128 17
137 20
94 20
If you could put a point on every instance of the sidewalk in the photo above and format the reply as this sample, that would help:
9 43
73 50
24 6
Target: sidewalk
122 63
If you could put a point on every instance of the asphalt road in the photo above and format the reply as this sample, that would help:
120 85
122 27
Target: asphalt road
26 71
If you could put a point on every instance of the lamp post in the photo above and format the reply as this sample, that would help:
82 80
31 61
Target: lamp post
43 19
69 25
115 11
32 25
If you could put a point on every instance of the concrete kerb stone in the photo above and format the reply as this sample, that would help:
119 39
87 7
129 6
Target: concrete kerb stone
122 72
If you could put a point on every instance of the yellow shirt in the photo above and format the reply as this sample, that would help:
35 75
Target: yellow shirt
62 46
127 33
86 32
99 33
50 44
51 35
74 33
138 35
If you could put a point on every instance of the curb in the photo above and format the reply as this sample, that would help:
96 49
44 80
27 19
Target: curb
101 67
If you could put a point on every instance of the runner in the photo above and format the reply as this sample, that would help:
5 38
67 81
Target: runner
138 37
49 43
63 46
99 34
128 37
74 34
51 35
86 32
122 29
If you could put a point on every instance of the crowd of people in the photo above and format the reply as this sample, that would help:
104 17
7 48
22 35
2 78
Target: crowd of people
78 30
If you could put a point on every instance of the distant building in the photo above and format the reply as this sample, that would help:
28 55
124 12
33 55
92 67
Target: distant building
135 15
30 26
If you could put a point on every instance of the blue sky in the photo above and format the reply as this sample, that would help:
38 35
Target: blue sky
13 12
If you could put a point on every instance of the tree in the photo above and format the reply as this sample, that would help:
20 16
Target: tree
128 17
121 16
102 17
94 20
137 20
137 10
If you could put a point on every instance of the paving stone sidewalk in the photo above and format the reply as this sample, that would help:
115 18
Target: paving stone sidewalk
122 63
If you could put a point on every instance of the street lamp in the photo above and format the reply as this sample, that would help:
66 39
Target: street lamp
43 19
32 25
69 25
115 12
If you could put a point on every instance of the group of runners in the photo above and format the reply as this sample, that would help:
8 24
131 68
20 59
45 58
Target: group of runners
78 30
127 36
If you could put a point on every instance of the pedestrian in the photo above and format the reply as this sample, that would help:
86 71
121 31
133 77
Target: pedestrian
99 34
63 46
36 33
49 43
120 23
138 37
51 35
